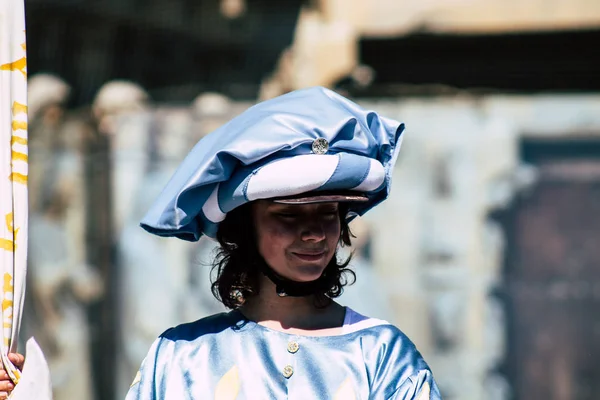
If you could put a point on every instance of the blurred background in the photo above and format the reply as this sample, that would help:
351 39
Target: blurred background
487 253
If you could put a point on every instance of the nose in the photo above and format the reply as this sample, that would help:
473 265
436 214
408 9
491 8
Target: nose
312 230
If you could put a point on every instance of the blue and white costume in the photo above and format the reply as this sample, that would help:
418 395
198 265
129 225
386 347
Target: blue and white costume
226 357
307 141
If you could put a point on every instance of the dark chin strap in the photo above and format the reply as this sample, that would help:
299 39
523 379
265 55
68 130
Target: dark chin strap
287 287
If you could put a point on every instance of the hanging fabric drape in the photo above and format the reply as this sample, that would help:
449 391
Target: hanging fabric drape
33 382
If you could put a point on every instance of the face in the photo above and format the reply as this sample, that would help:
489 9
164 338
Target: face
297 241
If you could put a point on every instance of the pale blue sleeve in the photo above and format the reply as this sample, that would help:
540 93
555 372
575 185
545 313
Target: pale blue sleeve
399 371
419 386
150 378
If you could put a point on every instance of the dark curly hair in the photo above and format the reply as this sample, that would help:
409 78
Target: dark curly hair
238 263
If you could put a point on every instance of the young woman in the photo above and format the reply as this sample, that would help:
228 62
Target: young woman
276 187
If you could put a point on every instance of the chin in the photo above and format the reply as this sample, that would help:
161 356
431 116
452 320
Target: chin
308 273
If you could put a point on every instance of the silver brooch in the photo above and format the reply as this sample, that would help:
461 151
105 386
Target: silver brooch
320 146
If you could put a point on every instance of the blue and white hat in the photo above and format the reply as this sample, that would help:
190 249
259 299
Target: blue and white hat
304 146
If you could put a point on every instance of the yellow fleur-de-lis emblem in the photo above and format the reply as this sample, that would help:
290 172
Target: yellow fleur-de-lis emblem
17 154
424 395
19 65
229 385
9 244
7 304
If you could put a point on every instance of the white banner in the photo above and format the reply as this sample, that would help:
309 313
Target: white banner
13 196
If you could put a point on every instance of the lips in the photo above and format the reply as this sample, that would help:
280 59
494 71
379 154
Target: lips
310 256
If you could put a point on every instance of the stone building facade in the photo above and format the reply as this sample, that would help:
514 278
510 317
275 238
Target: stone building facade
445 256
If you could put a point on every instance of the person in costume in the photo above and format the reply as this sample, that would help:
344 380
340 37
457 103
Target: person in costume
276 187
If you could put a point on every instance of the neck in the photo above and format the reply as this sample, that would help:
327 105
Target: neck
290 312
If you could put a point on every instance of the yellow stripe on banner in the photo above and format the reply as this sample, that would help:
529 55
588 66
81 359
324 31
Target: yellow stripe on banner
7 244
18 108
9 221
18 178
18 156
18 140
19 65
7 303
16 125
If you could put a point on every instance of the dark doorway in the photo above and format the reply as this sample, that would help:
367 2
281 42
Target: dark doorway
558 61
552 275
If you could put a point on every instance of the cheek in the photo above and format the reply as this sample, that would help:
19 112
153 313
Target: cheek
273 239
333 232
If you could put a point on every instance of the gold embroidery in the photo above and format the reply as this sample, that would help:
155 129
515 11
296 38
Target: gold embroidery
229 385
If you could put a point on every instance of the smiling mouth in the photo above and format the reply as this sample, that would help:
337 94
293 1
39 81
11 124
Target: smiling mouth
310 256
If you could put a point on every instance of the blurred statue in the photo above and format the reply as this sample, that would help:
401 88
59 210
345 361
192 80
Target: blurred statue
47 96
377 303
61 284
147 145
122 107
115 99
233 9
122 114
44 93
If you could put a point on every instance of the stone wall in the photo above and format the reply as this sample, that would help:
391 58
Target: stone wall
434 242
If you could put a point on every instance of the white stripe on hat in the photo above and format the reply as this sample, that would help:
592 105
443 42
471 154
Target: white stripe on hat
291 176
374 178
211 209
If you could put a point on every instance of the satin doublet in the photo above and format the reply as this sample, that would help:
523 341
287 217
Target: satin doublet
226 357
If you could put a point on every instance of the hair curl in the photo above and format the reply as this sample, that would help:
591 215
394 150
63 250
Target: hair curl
238 262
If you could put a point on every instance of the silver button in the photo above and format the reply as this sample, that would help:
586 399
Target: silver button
293 347
288 371
320 146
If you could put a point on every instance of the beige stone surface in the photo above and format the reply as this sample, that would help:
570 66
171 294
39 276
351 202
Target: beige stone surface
325 46
393 18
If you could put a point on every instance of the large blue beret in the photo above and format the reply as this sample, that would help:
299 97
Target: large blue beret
309 140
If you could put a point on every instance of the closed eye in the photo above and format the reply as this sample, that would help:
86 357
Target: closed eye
330 214
287 215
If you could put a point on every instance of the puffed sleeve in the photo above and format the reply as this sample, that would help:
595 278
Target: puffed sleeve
419 386
399 371
149 382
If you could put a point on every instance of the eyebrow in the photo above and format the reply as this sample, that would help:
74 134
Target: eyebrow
297 207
